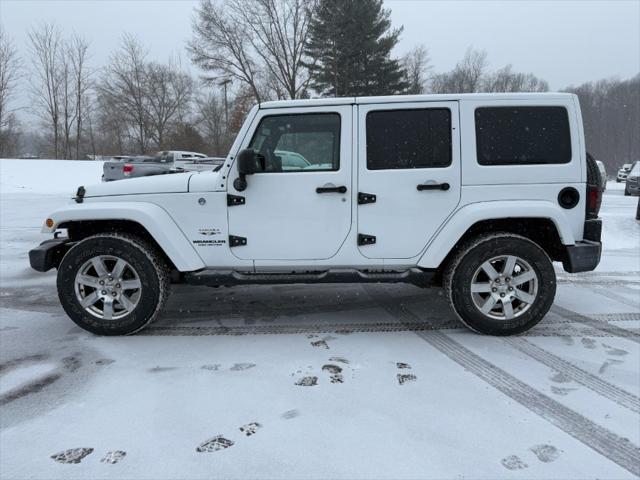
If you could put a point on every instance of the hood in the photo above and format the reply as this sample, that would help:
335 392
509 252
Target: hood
171 183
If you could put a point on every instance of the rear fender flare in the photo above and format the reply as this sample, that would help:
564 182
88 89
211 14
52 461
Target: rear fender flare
457 225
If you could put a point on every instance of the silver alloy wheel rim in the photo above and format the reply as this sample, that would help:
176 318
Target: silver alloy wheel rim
504 287
108 287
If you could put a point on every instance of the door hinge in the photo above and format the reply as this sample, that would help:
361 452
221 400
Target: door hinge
234 200
237 241
366 239
366 198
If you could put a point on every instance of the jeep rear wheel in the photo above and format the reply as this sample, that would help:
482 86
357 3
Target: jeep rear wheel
500 284
112 284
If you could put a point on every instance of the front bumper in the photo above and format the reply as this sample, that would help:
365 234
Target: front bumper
48 254
584 256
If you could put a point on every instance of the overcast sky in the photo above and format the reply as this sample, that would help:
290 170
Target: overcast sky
564 42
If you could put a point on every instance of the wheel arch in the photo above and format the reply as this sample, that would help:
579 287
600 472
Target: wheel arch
540 222
148 221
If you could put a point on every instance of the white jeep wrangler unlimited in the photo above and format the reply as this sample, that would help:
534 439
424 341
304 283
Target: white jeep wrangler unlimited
476 192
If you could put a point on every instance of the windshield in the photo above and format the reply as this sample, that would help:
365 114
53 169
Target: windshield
635 171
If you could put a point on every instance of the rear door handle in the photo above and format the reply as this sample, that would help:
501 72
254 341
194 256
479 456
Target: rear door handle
433 186
341 189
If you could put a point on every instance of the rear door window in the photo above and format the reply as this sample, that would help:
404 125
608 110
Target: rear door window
404 139
522 135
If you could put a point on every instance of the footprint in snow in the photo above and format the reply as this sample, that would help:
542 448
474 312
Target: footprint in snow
607 363
567 340
73 455
307 382
242 366
589 343
214 444
513 462
289 414
335 371
250 428
561 391
401 365
339 360
560 377
320 344
113 457
404 378
545 453
618 352
213 367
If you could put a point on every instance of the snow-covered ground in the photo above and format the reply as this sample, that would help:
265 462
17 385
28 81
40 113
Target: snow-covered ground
346 381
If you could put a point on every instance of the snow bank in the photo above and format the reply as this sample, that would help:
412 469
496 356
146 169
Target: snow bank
47 176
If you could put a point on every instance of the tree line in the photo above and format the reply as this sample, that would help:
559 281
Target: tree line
250 52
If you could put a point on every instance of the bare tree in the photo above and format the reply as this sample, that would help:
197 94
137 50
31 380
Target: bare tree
77 50
279 33
46 79
169 91
125 86
9 75
220 44
416 64
506 80
611 114
261 40
466 77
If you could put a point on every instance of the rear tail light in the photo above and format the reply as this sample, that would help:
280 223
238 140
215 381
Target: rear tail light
594 199
127 169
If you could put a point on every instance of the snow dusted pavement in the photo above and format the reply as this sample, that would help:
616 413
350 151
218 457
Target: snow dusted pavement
324 381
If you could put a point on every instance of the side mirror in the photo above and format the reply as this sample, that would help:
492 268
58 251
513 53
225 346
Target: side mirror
246 166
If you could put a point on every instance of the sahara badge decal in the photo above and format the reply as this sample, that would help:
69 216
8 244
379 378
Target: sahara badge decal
209 232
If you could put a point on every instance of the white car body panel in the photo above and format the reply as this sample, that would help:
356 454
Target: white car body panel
170 183
285 217
392 218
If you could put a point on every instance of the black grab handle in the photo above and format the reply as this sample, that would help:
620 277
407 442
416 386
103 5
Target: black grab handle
342 189
433 186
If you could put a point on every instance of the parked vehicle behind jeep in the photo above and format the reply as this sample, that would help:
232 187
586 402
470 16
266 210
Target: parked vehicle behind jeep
623 172
477 193
632 187
140 166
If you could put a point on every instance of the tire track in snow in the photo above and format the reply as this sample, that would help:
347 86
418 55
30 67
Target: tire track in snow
611 446
598 289
592 382
614 330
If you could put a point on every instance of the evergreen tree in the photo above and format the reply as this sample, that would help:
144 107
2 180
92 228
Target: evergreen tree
351 42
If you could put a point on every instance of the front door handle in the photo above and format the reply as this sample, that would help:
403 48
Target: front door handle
433 186
341 189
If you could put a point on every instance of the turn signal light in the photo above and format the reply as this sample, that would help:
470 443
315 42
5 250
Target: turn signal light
49 222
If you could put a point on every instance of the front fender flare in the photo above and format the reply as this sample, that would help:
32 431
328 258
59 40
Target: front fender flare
458 223
152 217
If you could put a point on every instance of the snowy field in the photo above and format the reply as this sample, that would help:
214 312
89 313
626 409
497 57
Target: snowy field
346 381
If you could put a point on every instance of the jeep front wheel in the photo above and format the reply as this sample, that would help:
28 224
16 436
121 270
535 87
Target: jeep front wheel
500 284
112 284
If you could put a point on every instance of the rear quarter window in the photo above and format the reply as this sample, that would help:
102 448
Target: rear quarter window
522 135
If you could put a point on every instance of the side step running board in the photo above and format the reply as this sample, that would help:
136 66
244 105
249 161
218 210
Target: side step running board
217 278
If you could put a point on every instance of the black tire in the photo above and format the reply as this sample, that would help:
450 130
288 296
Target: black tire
626 191
150 267
460 271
